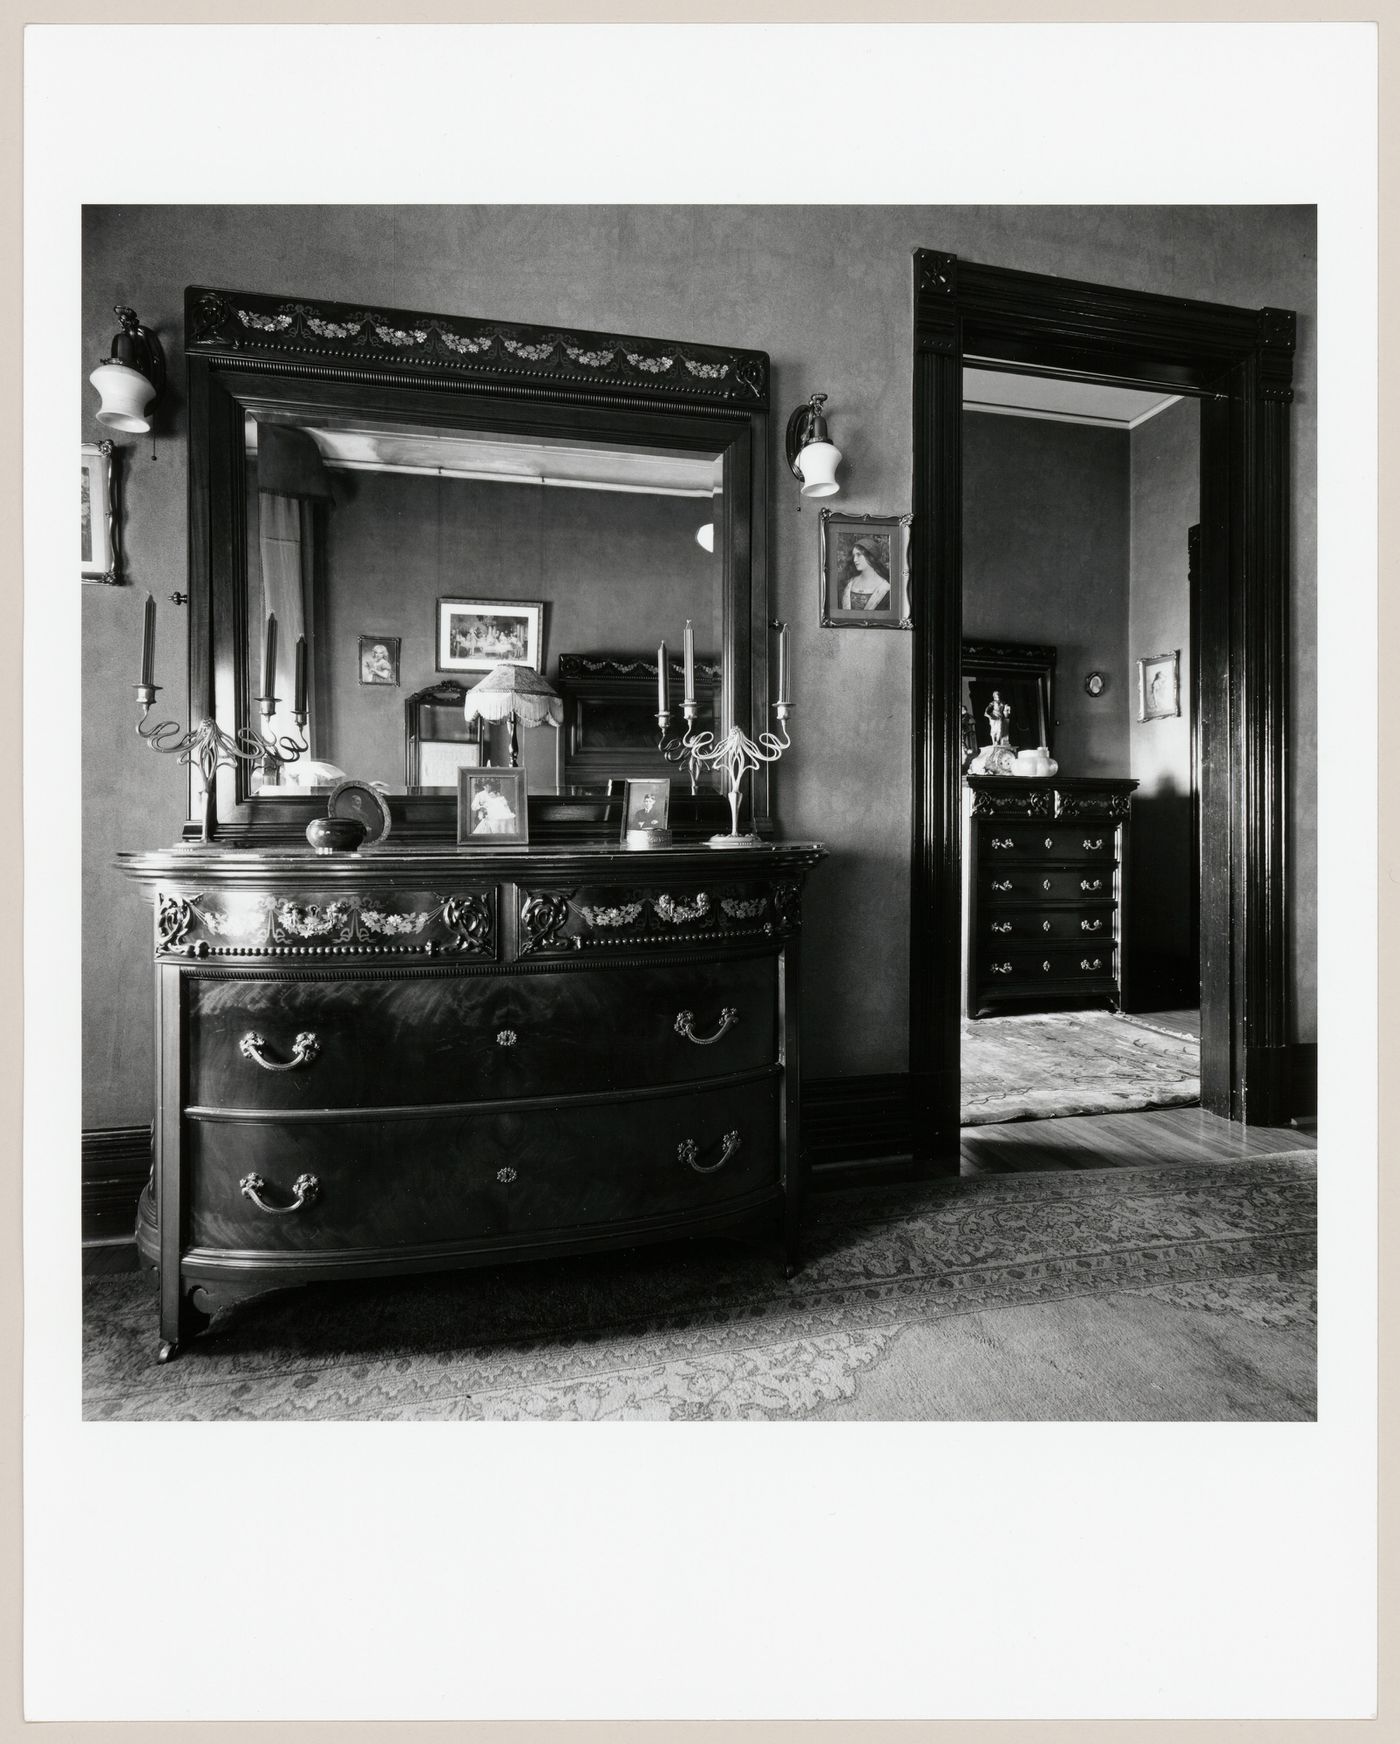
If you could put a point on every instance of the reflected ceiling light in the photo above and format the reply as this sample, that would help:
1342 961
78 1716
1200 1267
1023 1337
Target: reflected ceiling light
131 378
705 536
811 454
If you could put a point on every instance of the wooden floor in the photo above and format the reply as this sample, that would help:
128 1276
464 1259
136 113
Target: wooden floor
1109 1141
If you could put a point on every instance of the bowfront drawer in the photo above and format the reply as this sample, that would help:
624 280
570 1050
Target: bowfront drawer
1043 884
1005 841
1022 927
1013 967
419 1041
341 1186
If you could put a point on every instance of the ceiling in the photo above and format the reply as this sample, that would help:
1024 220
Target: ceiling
506 460
1064 401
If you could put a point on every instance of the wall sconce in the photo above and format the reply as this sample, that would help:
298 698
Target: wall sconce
131 378
810 451
705 536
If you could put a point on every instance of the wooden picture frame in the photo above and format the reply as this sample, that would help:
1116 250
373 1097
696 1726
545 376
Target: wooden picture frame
646 811
1022 675
864 571
1159 686
477 635
100 556
379 660
492 808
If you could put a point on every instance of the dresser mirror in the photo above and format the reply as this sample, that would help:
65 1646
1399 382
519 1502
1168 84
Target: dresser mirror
1013 682
419 498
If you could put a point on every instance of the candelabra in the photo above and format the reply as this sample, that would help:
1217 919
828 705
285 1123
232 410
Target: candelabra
736 754
210 748
680 750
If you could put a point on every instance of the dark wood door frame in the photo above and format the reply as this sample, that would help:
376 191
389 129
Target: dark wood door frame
1239 362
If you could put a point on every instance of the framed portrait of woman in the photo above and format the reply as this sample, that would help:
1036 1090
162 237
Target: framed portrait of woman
492 811
865 571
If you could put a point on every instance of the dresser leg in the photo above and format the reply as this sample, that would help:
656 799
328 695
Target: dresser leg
178 1329
792 1248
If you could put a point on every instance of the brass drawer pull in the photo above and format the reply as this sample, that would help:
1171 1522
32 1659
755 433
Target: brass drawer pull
1091 883
304 1050
687 1151
1097 963
1090 926
1001 926
304 1189
685 1021
1003 842
506 1038
1001 968
1046 965
1045 926
506 1175
1002 884
1092 847
1049 841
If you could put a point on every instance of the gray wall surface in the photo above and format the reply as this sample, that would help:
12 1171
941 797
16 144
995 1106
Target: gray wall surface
827 292
1045 559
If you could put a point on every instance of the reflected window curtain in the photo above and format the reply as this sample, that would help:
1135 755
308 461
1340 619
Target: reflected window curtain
291 482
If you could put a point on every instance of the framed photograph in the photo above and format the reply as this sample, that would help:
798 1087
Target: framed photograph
491 808
99 515
646 807
865 571
475 635
1159 686
379 659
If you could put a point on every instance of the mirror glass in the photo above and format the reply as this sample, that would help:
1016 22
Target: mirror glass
413 559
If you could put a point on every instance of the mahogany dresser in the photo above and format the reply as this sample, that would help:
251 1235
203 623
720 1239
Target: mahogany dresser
405 1059
1044 891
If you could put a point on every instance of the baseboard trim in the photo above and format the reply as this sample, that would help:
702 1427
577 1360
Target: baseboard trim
1302 1080
116 1163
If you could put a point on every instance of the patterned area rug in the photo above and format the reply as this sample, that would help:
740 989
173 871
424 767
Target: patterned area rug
1183 1292
1073 1062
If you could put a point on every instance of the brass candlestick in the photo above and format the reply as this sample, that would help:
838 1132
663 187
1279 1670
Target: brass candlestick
736 754
210 748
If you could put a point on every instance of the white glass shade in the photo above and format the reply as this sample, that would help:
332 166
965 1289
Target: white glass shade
705 536
819 461
126 394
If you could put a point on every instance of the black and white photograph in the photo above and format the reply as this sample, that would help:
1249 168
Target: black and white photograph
379 659
864 563
948 1066
478 635
491 808
98 513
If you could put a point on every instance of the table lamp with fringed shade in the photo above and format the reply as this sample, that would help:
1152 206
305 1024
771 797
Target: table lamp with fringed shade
514 693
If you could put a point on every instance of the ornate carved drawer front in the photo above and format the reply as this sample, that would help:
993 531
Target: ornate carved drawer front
425 1040
1017 967
1041 884
649 918
347 1186
1013 840
451 923
1030 926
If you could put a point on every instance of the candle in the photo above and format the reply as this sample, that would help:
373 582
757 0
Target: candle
782 663
148 643
300 705
269 683
689 663
663 683
1040 707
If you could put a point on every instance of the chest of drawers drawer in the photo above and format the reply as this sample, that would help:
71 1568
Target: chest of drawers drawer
1001 842
1023 927
348 1042
338 1186
1007 968
1047 884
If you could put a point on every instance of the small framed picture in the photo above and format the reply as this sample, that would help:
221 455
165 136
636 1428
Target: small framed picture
379 659
1159 686
492 811
475 635
99 514
646 807
865 571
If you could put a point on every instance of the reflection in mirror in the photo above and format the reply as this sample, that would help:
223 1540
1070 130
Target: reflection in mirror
363 533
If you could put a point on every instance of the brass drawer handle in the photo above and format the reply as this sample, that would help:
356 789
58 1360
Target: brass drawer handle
1049 841
685 1021
1097 963
1003 842
1001 926
1090 926
1092 847
687 1151
304 1050
1045 926
506 1038
304 1190
1002 884
1091 883
1046 965
1001 968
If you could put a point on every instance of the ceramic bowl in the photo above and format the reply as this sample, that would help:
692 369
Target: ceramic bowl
330 835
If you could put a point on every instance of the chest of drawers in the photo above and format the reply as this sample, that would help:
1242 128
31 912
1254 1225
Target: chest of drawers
412 1059
1044 892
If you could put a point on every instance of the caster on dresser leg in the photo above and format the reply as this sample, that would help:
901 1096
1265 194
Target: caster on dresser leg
168 1348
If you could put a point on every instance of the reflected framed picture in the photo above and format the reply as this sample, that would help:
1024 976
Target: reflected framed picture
99 514
865 571
646 812
475 635
379 659
492 811
1159 686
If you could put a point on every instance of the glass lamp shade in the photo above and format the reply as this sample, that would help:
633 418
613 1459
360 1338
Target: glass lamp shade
705 536
126 396
818 461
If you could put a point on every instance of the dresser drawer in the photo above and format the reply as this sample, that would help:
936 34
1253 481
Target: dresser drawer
1039 966
364 1042
1029 926
1002 841
396 1183
1047 884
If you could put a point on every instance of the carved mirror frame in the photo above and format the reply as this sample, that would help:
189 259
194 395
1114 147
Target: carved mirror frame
461 373
1239 363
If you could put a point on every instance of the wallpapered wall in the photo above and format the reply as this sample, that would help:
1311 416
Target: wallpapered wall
824 290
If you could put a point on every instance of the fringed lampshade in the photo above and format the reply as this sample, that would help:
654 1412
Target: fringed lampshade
514 693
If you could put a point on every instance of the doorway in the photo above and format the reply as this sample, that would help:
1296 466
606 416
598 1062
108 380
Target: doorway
1238 364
